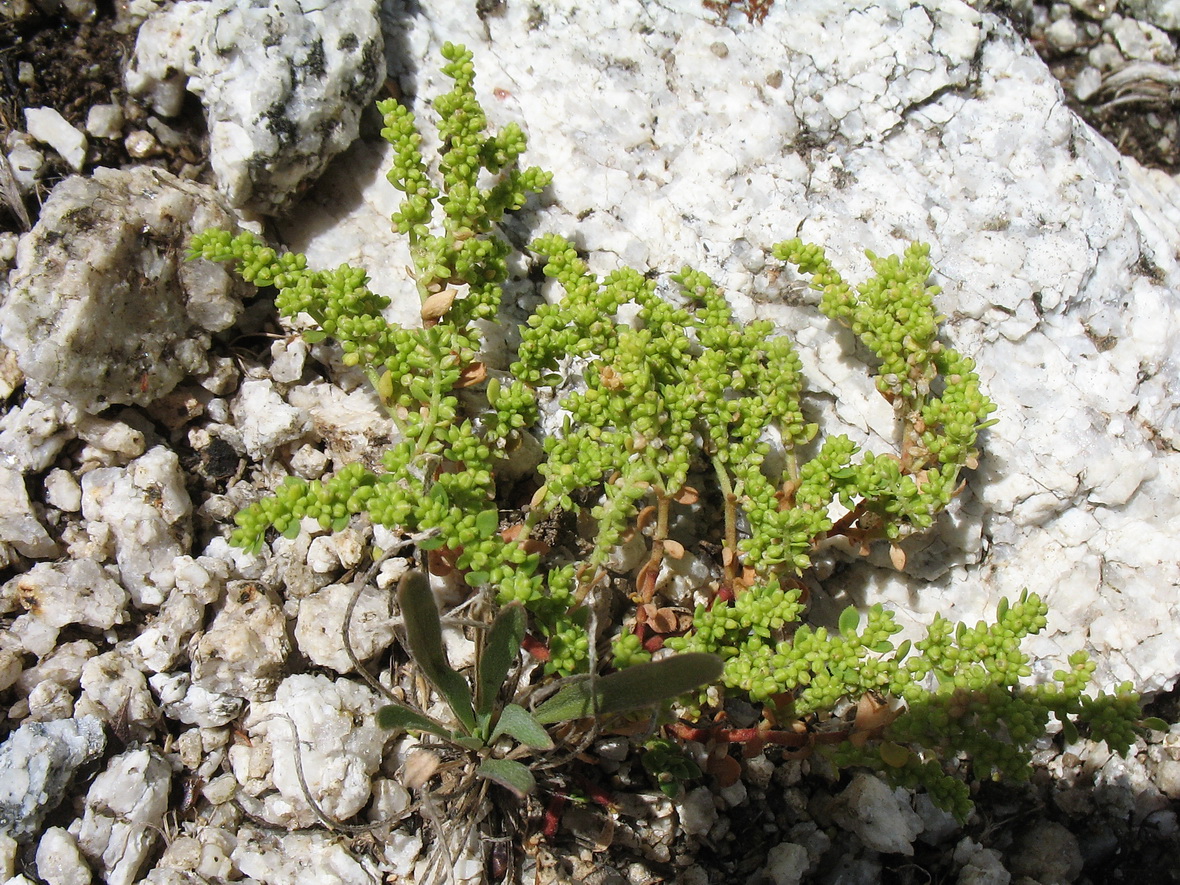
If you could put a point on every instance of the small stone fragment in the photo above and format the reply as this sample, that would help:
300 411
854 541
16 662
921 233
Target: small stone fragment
19 525
55 595
264 419
879 816
59 862
243 651
37 763
51 128
318 629
787 863
125 814
340 743
148 510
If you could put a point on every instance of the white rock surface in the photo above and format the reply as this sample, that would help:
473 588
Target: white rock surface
147 511
243 651
56 595
33 433
787 864
124 814
51 128
19 525
312 68
321 618
37 763
118 694
340 745
102 307
879 816
59 862
869 126
264 420
164 640
300 859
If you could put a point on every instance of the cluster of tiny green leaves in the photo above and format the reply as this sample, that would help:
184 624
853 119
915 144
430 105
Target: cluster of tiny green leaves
682 389
963 694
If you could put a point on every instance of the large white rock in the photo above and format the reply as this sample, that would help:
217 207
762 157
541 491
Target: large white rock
103 309
865 126
283 84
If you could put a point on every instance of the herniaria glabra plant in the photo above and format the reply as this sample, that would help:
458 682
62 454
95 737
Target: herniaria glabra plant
672 419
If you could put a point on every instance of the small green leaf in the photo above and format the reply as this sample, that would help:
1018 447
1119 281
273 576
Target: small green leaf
477 579
340 523
902 651
314 336
1002 608
424 638
1154 723
849 620
639 686
510 774
291 532
487 523
500 651
883 646
517 722
394 716
432 543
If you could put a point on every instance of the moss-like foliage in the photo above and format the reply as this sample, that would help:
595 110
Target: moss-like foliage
678 409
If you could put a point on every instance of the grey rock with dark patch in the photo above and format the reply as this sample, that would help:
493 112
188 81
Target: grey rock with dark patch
311 66
37 763
103 308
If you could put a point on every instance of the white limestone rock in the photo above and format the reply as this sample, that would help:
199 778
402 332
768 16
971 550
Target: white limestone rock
147 510
264 420
301 858
55 595
879 816
870 126
193 704
243 651
318 629
312 67
340 743
124 814
162 643
63 491
37 763
51 128
33 433
353 425
19 524
205 854
787 863
1161 13
979 865
103 309
698 811
59 862
118 694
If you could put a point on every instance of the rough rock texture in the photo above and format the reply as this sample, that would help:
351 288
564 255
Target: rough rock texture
340 745
103 309
673 141
146 511
311 66
37 763
124 814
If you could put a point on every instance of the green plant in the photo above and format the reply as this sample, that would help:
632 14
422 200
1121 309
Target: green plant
485 723
668 438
